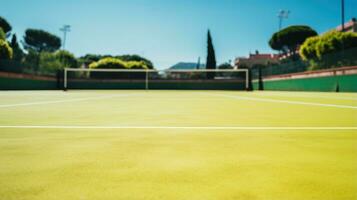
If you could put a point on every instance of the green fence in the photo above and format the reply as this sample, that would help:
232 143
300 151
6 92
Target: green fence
9 83
342 83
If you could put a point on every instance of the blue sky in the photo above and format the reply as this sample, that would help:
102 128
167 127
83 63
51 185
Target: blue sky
169 31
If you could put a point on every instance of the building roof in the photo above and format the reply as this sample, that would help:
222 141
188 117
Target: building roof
349 26
263 56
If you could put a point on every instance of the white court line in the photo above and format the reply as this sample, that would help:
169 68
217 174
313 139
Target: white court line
55 93
181 127
303 95
283 101
65 101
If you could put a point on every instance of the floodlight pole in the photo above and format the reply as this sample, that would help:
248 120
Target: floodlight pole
65 29
343 15
283 14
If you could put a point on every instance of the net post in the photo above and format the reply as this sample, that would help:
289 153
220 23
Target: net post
247 79
147 79
65 79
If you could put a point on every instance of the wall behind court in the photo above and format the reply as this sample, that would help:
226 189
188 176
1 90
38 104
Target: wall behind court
13 81
332 80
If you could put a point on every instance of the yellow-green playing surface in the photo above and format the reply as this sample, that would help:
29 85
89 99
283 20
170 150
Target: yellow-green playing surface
177 145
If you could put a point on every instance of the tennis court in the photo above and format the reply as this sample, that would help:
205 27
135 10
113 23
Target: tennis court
169 144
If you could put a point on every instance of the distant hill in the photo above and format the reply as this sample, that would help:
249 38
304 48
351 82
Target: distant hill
186 66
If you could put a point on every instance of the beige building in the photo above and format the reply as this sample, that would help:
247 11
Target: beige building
350 26
256 59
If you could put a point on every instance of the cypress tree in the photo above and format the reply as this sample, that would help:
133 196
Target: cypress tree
211 57
18 53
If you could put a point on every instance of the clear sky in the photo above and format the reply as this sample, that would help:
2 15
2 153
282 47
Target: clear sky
169 31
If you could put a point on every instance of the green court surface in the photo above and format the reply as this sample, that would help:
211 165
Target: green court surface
177 145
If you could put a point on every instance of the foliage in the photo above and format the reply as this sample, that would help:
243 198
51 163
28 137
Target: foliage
115 63
18 53
108 63
67 59
31 60
136 65
5 50
39 40
225 66
90 58
290 38
331 49
211 57
138 58
5 25
2 34
49 63
52 62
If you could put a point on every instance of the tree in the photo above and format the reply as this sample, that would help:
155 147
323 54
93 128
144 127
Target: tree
67 59
211 57
31 60
5 50
2 34
90 58
289 39
52 62
6 27
331 49
136 65
18 53
49 63
116 63
225 66
138 58
39 40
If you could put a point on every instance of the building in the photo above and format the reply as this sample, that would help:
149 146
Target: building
256 59
350 26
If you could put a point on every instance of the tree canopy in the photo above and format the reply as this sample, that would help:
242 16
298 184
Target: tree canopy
66 58
39 40
138 58
2 34
330 49
51 62
5 50
5 25
290 38
18 53
225 66
211 56
90 58
116 63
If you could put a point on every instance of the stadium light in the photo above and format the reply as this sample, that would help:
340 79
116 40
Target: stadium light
343 15
283 14
65 29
